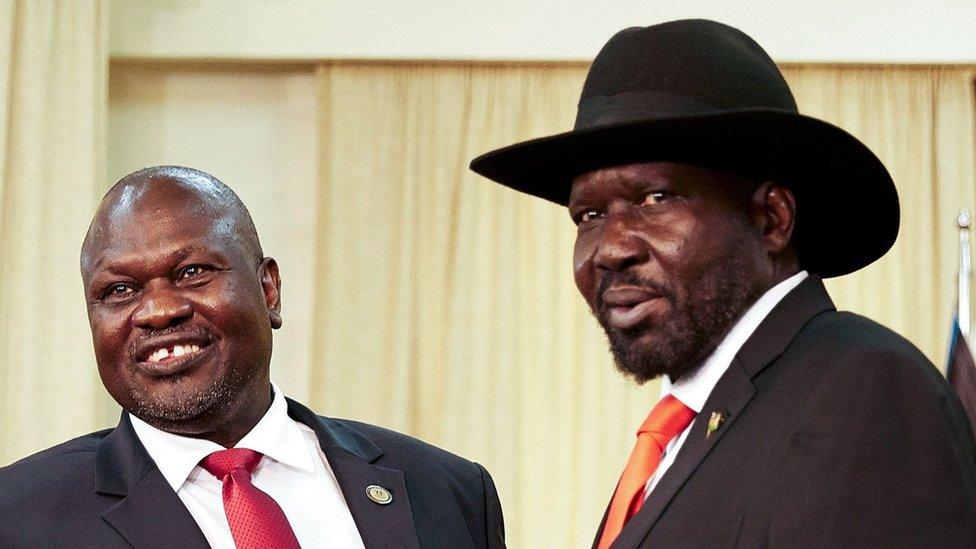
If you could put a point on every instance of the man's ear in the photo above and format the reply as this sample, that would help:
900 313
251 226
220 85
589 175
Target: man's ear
271 284
774 213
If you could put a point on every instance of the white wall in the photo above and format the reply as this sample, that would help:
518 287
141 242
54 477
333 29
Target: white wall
892 31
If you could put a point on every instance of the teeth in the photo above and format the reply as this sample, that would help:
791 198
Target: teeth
178 351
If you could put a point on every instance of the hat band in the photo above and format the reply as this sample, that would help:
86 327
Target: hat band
601 110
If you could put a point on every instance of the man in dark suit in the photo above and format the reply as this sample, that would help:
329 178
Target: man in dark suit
182 302
708 211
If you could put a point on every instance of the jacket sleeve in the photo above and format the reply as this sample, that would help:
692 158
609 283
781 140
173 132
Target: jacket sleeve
883 456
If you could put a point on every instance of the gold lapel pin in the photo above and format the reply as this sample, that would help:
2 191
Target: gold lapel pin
715 421
379 494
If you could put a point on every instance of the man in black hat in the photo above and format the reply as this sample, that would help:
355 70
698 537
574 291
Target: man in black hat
708 211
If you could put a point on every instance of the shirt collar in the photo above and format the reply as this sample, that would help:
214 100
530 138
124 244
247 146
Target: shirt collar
276 435
693 388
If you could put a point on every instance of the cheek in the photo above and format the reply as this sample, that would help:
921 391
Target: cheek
109 334
583 272
234 308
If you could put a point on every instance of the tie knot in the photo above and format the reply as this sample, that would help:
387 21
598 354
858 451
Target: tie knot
219 464
668 418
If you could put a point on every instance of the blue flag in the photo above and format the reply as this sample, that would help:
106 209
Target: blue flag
961 371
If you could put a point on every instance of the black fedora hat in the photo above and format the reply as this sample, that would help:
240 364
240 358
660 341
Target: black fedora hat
703 93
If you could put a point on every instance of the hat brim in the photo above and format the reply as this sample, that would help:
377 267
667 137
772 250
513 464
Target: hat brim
847 205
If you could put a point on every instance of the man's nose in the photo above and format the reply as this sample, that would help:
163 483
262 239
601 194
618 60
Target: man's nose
161 308
620 245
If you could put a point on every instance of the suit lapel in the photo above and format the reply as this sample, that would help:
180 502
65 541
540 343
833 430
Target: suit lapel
352 457
150 514
730 397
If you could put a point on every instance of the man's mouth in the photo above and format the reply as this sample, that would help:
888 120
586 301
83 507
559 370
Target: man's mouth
628 306
176 351
171 354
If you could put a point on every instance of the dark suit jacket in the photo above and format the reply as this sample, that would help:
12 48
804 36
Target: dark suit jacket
103 490
839 433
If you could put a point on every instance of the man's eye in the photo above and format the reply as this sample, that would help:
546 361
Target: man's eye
588 216
116 290
191 271
655 197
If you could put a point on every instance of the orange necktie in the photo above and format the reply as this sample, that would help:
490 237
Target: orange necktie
668 418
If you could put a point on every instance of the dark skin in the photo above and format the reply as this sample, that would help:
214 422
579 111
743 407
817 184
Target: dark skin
171 263
668 256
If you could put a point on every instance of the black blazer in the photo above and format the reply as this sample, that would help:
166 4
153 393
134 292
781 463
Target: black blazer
103 490
838 433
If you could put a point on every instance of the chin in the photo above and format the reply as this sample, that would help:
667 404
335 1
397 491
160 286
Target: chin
177 400
647 355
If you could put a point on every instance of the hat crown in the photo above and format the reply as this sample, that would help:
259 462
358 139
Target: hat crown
680 68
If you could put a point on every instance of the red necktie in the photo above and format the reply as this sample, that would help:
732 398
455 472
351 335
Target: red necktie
668 418
255 519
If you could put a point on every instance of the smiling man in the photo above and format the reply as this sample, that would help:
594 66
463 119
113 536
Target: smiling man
209 452
708 210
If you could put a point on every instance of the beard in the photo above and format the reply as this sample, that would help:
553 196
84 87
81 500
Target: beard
180 404
700 315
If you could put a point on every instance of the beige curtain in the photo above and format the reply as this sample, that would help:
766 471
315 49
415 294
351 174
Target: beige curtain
445 303
442 304
920 122
446 306
52 98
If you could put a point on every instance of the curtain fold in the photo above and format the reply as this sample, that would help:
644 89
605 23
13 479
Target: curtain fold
52 108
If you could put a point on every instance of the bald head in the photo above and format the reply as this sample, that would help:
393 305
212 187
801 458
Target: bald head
150 192
181 303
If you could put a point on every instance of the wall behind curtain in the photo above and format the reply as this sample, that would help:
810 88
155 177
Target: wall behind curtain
53 62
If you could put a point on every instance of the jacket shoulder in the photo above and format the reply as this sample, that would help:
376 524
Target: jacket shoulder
445 489
861 345
407 450
66 466
877 450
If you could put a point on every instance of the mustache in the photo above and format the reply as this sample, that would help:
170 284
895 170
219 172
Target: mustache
177 329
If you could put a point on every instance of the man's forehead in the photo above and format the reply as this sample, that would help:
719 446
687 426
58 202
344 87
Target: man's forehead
159 193
158 208
707 180
606 176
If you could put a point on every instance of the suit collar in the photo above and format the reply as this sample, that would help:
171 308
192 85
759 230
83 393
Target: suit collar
729 398
124 468
353 458
769 341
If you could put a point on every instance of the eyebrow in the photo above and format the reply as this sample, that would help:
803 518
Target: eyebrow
114 265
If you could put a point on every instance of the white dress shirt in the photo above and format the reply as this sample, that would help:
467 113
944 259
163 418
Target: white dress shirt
293 471
694 388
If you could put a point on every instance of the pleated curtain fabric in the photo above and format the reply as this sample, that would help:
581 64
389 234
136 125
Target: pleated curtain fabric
53 70
443 305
